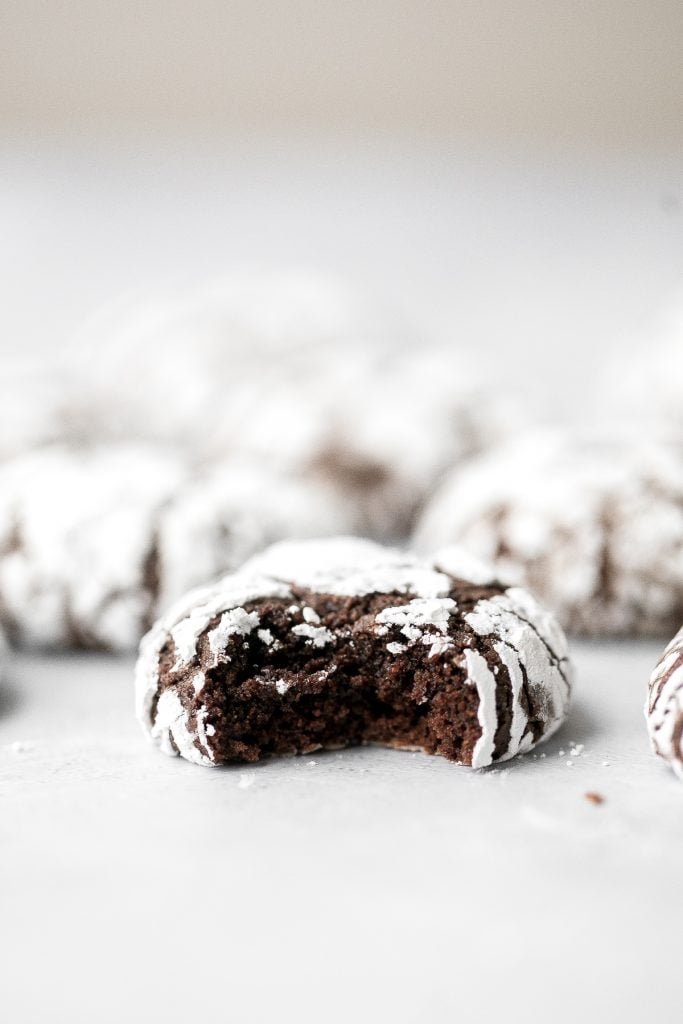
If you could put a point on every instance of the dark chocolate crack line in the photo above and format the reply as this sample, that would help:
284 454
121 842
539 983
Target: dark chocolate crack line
323 644
95 540
664 707
592 525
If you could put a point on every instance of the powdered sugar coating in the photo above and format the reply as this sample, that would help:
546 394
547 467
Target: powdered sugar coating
185 367
664 705
232 510
77 533
519 624
593 525
529 654
348 567
297 370
423 619
94 541
380 423
186 621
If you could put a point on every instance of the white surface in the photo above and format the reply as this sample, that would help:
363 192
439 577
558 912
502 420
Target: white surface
371 884
364 884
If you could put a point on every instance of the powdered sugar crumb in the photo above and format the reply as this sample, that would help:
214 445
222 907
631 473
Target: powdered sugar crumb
396 648
21 747
418 619
317 635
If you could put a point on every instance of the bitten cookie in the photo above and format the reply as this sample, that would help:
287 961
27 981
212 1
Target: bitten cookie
78 552
594 527
664 706
324 644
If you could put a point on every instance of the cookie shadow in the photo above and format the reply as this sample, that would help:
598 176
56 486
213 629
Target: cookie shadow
9 700
580 727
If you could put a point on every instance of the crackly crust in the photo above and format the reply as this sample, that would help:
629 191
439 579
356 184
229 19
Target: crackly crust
326 643
94 540
78 546
664 705
592 525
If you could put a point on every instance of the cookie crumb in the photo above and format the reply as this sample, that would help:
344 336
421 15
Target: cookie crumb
595 798
20 747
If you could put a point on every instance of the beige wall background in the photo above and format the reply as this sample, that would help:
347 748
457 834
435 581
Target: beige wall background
602 72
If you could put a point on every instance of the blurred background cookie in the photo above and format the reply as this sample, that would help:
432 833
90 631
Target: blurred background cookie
592 524
222 516
296 370
36 402
77 543
169 366
379 424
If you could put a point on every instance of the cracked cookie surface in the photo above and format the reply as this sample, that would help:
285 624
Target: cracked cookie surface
78 552
593 526
664 705
93 541
324 644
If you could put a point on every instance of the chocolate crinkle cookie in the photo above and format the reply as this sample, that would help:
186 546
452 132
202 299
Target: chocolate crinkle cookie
592 525
378 423
324 644
176 367
664 706
94 541
78 563
294 369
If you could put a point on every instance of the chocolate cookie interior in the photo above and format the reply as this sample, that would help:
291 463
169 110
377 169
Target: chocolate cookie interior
323 671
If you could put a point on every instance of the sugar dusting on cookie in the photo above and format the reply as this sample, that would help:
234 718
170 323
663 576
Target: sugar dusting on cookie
433 633
591 524
664 705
